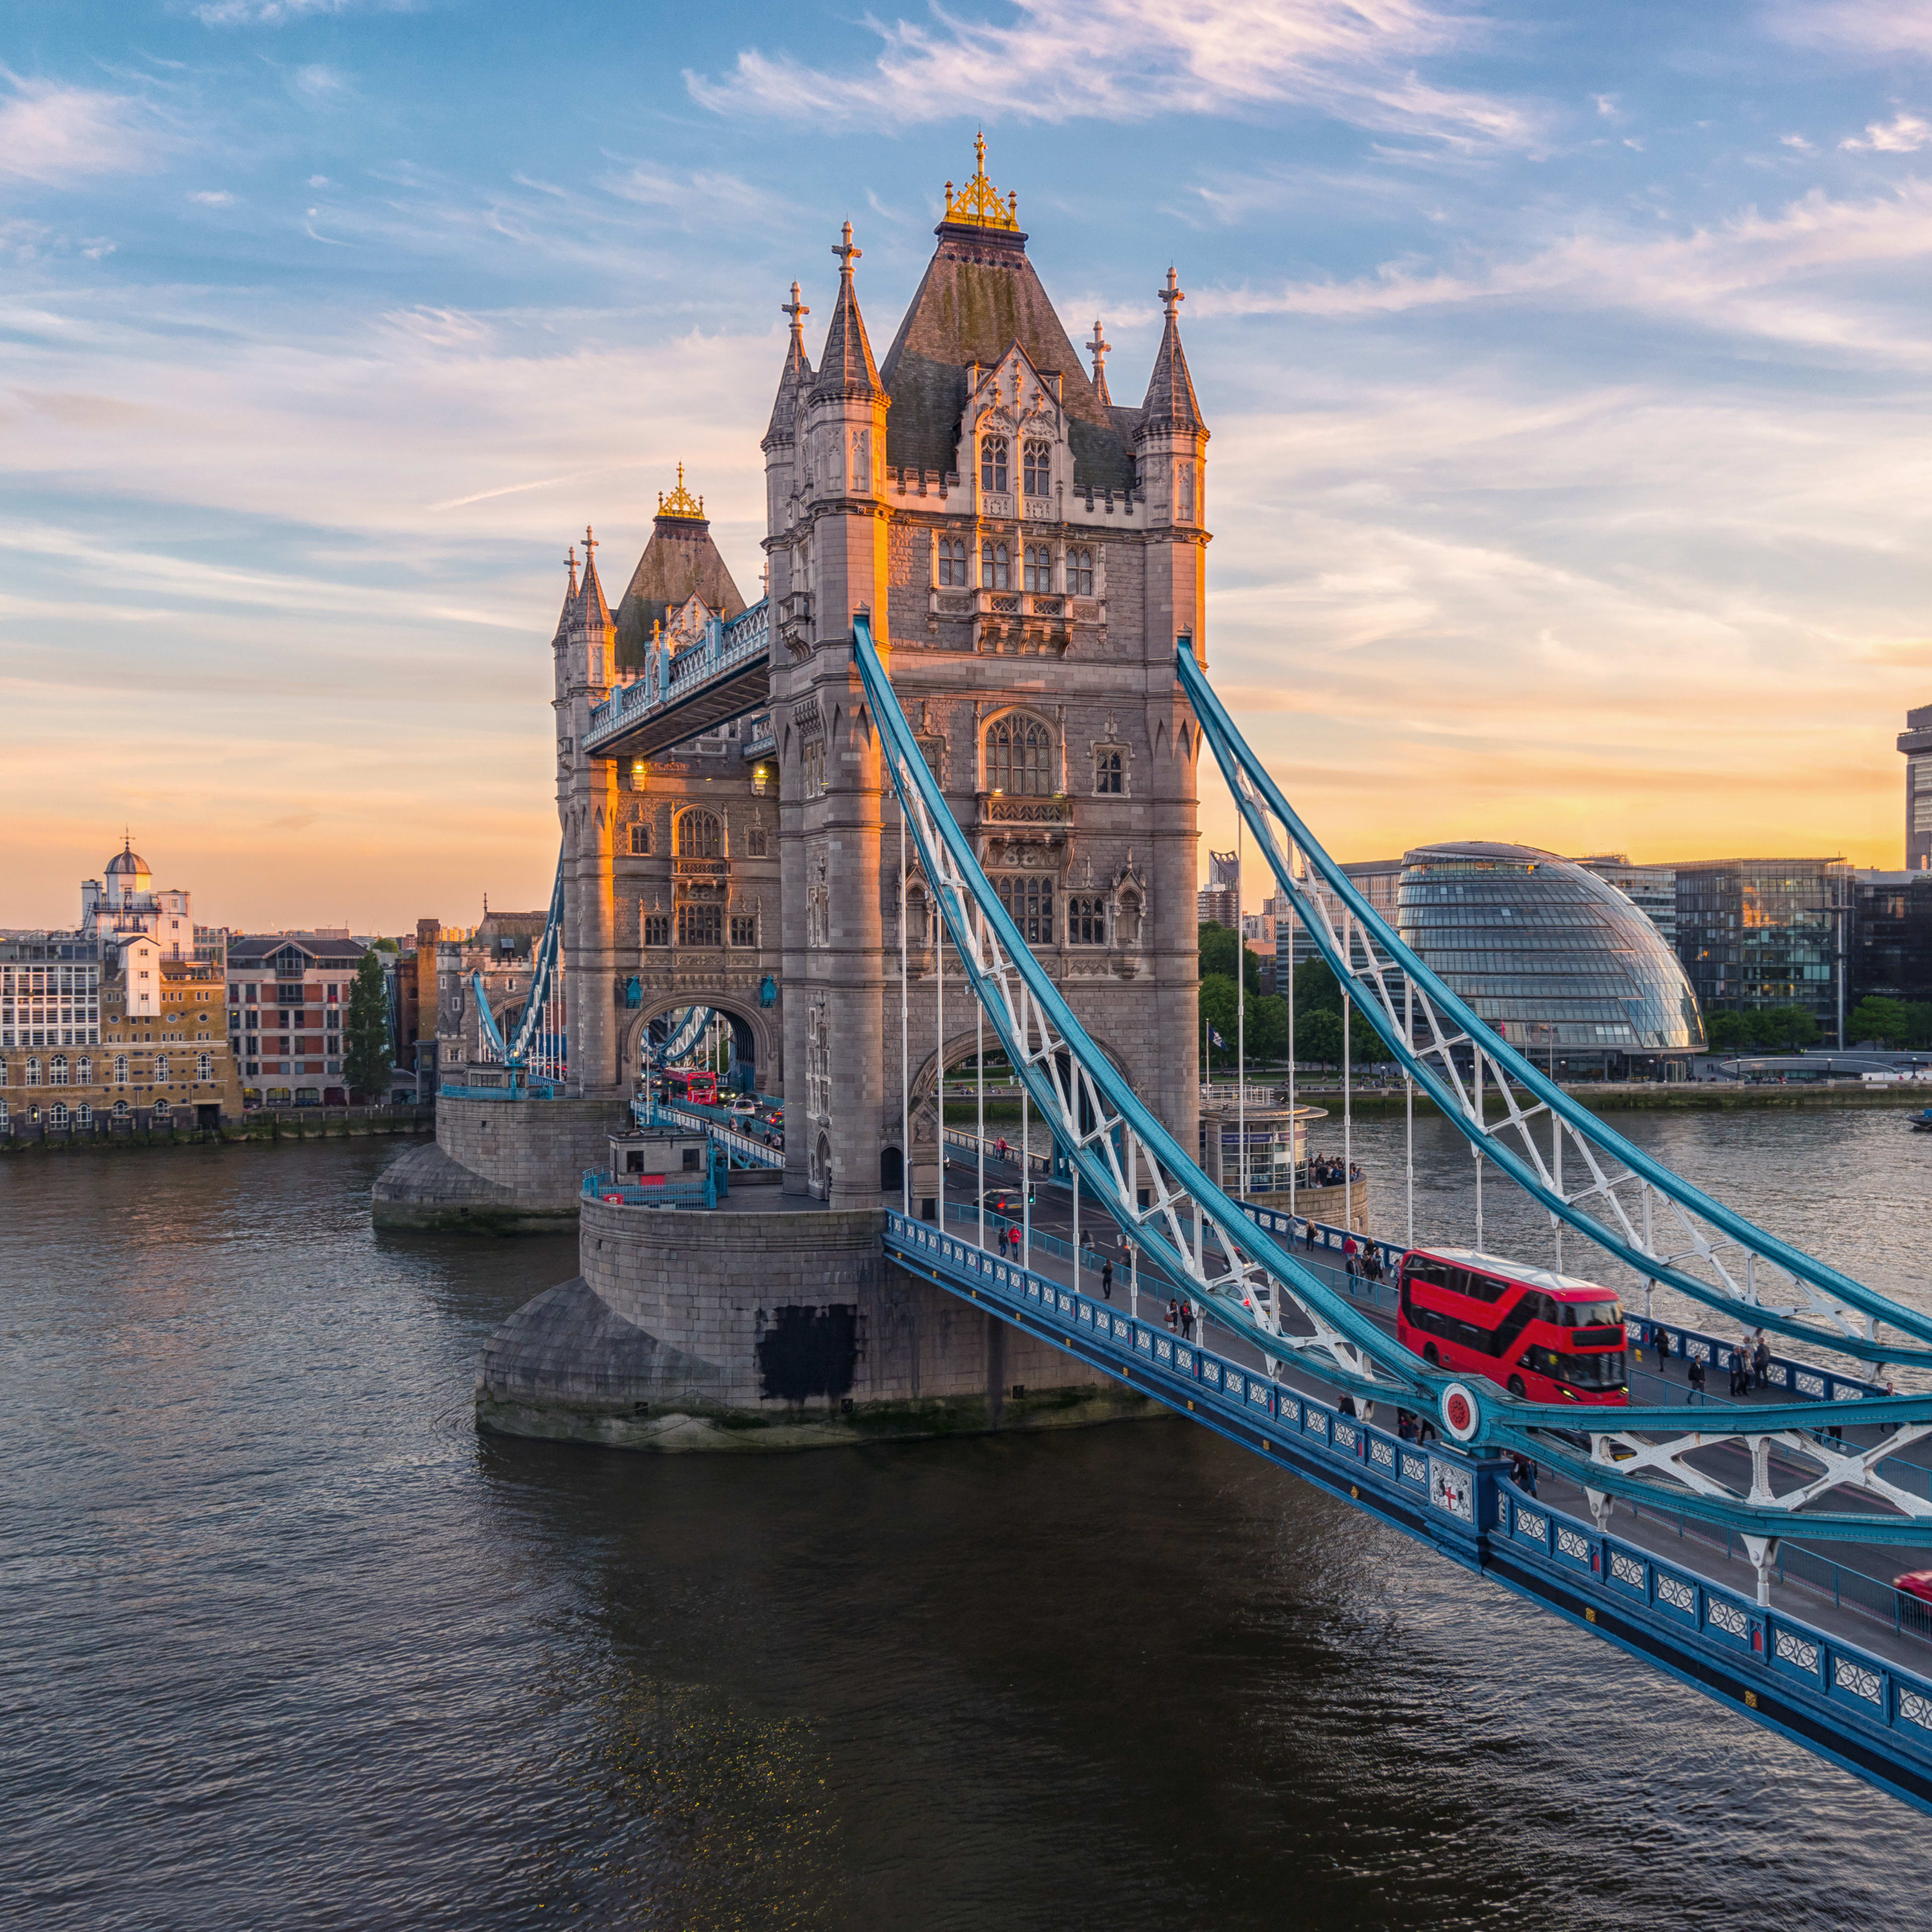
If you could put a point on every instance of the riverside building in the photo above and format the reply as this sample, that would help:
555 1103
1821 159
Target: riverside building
288 1001
1753 933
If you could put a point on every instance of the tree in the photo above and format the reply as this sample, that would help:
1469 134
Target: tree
1219 945
1888 1021
367 1057
1726 1032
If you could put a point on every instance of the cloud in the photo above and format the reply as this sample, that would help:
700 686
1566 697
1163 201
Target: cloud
213 198
1903 134
264 13
1121 60
57 135
1755 275
1797 141
315 82
1871 28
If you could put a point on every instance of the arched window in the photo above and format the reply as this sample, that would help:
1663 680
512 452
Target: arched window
121 1106
1080 573
995 569
701 835
84 1073
641 839
952 562
57 1073
204 1066
160 1066
33 1073
121 1070
162 1109
1019 757
1038 561
84 1115
993 457
1033 469
58 1113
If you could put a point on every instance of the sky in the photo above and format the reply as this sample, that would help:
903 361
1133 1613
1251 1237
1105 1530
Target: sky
1566 368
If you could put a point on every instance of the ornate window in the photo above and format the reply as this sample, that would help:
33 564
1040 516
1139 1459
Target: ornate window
744 928
204 1066
83 1073
994 458
701 925
1038 561
1034 469
995 569
657 928
57 1073
701 835
1087 921
1080 573
933 750
952 563
754 839
120 1069
160 1066
1027 897
641 839
1019 757
1109 775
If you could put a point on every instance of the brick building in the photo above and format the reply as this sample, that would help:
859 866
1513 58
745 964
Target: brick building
288 1003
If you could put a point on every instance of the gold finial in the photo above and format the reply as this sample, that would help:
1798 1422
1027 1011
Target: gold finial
681 502
979 202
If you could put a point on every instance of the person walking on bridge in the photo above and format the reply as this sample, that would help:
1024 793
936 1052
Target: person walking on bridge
1660 1336
1761 1362
1107 1278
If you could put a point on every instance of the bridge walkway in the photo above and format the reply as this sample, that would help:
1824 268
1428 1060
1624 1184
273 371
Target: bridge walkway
1819 1581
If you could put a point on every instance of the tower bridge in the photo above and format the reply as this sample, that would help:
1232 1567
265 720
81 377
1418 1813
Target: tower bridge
934 796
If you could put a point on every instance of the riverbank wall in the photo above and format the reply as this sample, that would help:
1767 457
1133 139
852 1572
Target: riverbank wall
283 1124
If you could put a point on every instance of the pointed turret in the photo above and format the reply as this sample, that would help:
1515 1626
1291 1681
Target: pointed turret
563 615
1170 403
596 613
680 562
794 378
1098 347
847 367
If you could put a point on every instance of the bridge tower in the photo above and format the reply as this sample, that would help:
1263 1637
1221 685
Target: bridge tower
1026 552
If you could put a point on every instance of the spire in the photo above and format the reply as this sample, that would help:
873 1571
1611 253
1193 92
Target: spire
1098 349
977 205
681 502
1170 400
848 367
595 610
795 378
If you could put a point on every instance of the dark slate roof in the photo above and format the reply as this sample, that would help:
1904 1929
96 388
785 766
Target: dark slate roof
680 562
794 382
1170 393
255 950
847 367
979 296
590 596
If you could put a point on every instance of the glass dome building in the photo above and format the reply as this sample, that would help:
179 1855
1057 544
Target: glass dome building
1557 960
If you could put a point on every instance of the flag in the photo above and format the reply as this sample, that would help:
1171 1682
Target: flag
1214 1039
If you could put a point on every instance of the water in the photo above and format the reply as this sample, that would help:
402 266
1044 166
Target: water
285 1644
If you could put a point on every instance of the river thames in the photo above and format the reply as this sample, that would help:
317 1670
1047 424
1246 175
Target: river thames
286 1644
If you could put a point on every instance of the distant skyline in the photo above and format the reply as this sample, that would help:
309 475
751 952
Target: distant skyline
1568 377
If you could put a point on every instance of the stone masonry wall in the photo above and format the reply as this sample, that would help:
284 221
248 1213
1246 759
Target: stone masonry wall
539 1150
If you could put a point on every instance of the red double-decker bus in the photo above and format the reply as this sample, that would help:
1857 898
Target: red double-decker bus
1546 1337
692 1083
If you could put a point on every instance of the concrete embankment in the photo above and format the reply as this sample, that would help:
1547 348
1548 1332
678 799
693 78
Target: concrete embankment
284 1123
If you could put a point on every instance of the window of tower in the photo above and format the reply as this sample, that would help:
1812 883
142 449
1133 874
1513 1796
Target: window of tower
701 835
1033 469
994 459
701 925
995 569
1027 898
1080 573
1039 567
641 839
952 562
1108 776
1019 757
1087 921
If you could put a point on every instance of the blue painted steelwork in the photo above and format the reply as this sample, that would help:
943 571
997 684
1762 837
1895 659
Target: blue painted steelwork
1242 1272
682 1038
1871 1716
528 1038
655 704
1268 812
648 1111
600 1184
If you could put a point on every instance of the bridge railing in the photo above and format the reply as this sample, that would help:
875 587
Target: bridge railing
725 647
633 1190
648 1111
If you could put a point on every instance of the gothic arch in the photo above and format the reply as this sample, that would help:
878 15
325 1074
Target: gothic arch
698 832
766 1030
1017 744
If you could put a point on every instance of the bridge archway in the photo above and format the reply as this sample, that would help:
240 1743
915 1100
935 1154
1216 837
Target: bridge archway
754 1029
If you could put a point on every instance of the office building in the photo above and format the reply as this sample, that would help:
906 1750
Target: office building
1753 933
1888 942
1219 901
1652 889
1553 957
1375 879
1915 742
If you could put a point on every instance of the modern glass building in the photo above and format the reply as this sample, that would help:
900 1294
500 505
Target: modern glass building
1562 963
1764 932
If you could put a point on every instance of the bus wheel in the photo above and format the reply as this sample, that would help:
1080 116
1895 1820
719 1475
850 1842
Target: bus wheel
1516 1386
1432 1355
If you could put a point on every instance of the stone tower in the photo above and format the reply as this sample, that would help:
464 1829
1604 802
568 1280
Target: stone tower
1027 554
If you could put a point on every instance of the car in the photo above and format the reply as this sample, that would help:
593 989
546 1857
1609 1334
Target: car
744 1106
1916 1583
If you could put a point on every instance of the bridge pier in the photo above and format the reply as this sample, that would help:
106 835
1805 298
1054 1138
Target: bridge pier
758 1328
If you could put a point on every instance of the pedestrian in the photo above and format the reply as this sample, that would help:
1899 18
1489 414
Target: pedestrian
1348 1405
1660 1336
1761 1362
1187 1321
1173 1316
1405 1425
1087 1249
1697 1375
1348 1256
1107 1278
1528 1479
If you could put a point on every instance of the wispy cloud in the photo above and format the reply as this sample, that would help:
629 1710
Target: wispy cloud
213 197
1121 60
58 135
1903 134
